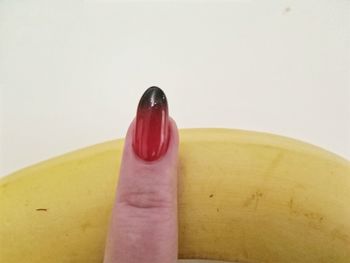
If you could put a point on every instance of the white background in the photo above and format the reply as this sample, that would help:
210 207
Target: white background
72 72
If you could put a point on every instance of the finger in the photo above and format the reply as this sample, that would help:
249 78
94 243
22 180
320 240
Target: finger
144 218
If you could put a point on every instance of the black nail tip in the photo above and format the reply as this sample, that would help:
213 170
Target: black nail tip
153 97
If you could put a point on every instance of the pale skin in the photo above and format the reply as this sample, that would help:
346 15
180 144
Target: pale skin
143 225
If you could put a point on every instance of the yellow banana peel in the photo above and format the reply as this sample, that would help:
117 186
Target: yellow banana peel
243 196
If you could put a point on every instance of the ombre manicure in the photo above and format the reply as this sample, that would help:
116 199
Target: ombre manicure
151 135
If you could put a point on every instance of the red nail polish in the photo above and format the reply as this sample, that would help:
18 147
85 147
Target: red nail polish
151 135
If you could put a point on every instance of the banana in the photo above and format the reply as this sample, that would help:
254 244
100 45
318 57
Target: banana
243 196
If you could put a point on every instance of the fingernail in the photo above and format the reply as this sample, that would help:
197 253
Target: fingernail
151 135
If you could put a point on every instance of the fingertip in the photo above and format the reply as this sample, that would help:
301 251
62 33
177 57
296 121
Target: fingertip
144 217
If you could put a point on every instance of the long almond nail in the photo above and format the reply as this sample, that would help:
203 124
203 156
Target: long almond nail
151 135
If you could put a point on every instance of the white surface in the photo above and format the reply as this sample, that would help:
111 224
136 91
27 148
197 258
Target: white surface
71 73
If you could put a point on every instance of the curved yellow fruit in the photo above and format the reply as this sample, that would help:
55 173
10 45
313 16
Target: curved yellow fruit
244 196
